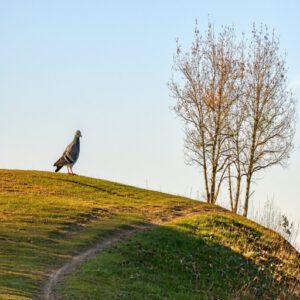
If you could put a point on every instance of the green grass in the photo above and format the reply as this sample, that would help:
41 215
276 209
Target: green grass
46 217
211 256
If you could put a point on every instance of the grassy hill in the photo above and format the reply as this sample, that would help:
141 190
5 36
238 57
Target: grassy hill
210 256
47 217
196 251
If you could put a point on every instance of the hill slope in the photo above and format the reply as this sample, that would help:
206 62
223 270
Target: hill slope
46 218
210 256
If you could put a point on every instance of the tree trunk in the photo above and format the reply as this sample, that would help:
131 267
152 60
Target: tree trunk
251 163
230 189
212 189
246 204
206 184
237 193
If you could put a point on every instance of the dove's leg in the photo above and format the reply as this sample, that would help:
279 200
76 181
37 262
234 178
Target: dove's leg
69 170
72 173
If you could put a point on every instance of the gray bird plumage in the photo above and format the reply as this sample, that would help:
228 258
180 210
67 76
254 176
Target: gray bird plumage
70 155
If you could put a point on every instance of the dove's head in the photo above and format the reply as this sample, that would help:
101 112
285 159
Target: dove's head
78 134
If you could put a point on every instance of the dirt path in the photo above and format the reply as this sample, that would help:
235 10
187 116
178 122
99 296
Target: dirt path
49 291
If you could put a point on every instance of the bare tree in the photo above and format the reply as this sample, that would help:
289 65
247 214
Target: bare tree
270 107
239 115
206 90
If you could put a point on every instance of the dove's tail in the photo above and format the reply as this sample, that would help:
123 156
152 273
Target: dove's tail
58 168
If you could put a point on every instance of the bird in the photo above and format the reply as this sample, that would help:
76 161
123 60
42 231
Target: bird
70 155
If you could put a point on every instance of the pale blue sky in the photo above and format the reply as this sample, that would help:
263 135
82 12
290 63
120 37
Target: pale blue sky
102 67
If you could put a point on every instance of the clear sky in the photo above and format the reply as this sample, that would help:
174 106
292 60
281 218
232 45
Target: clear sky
102 67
